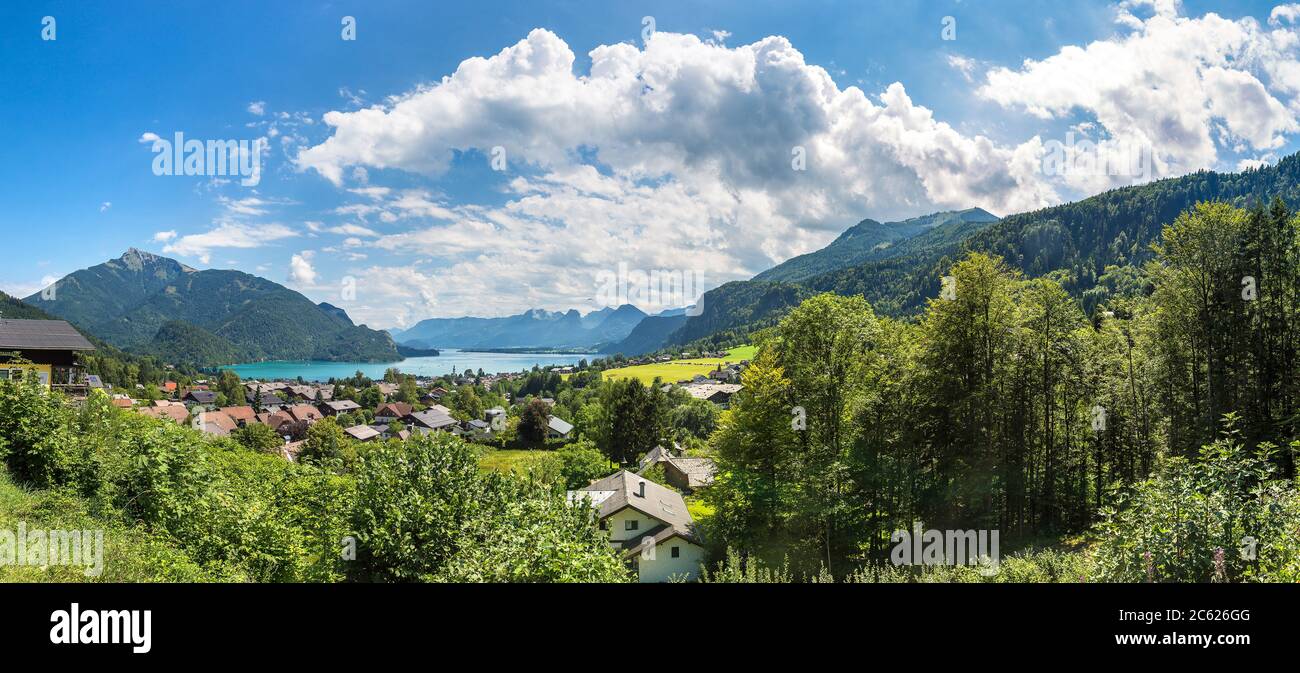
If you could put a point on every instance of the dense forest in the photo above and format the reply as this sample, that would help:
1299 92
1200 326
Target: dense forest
1004 407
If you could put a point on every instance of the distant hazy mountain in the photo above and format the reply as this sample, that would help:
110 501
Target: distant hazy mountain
867 240
535 328
218 314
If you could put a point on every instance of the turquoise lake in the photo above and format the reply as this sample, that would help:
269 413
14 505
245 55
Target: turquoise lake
450 358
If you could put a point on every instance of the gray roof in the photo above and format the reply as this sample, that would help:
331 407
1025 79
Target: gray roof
432 418
362 432
559 425
634 545
658 454
620 490
52 335
699 471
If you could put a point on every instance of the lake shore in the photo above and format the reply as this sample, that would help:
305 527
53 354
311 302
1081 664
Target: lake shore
450 360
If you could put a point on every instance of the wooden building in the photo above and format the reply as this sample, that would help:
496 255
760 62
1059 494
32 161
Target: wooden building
46 349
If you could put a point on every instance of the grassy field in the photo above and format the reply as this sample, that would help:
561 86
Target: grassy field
512 460
677 370
698 509
129 554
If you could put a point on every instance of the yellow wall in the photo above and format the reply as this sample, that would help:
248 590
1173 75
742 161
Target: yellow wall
43 371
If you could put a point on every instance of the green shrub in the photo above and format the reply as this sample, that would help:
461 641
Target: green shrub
1195 521
35 438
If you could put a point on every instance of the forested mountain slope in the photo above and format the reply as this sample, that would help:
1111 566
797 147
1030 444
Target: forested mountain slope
126 301
1078 241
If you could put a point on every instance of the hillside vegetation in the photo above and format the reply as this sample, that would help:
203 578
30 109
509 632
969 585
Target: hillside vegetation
177 505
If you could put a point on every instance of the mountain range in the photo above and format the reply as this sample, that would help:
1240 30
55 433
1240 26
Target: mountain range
869 240
535 328
148 304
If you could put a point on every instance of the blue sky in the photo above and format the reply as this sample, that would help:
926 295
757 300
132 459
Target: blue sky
378 191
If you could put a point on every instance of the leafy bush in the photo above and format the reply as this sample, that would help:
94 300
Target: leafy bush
581 463
34 434
1046 566
223 511
259 438
426 512
1195 521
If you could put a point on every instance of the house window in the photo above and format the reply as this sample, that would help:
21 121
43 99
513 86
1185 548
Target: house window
630 524
604 525
677 552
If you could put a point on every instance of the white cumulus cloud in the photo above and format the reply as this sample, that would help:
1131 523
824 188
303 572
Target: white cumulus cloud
301 271
228 234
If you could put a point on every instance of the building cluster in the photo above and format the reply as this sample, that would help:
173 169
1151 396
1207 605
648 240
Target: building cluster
289 409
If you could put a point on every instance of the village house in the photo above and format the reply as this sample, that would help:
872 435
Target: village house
558 428
334 408
428 421
717 393
393 411
202 398
658 454
386 432
268 401
477 429
686 474
362 433
304 413
215 423
689 474
240 415
311 393
46 349
177 413
275 420
647 523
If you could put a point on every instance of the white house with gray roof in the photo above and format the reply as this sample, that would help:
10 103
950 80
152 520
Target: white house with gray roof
648 523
